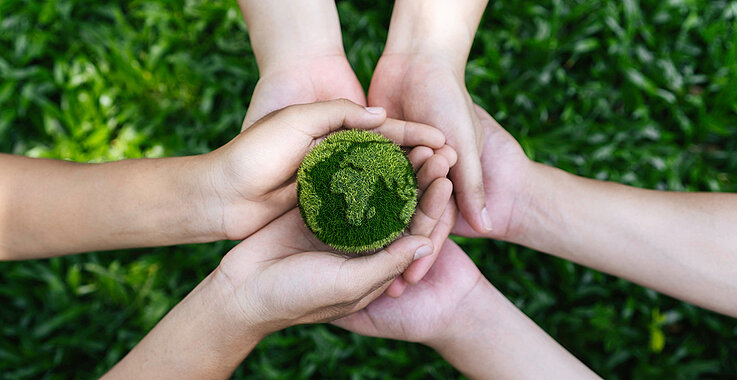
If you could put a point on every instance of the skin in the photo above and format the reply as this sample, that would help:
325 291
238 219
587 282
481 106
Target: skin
420 76
657 239
299 51
278 277
457 312
680 244
229 193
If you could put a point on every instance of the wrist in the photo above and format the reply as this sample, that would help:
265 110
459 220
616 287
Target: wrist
481 311
196 339
291 31
240 308
471 321
199 206
437 29
236 320
542 219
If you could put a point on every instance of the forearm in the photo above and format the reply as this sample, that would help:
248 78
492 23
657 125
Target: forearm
195 340
50 208
681 244
439 28
492 339
288 30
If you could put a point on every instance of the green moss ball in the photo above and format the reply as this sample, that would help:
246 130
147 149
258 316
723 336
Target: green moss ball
357 191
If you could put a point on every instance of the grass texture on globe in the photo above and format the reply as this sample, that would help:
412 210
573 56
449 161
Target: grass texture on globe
357 191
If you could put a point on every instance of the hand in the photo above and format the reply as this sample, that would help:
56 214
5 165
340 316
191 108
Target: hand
300 55
309 79
278 277
507 173
457 312
282 276
426 89
431 311
252 175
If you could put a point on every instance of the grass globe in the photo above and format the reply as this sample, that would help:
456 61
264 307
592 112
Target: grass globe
356 191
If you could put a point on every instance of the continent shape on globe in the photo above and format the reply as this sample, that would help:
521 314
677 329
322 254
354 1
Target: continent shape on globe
357 191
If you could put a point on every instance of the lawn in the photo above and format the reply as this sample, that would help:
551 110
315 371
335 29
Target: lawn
638 92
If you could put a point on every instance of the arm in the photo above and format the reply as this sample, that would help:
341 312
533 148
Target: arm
421 77
681 244
299 50
440 29
457 312
492 339
50 208
286 30
195 340
268 283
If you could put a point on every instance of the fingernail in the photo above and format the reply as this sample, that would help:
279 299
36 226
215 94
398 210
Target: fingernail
375 110
423 251
486 219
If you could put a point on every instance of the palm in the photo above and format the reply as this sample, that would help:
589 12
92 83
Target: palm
284 261
424 91
505 170
311 80
424 310
430 91
300 280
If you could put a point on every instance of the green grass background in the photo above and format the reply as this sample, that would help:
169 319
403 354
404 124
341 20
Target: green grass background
639 92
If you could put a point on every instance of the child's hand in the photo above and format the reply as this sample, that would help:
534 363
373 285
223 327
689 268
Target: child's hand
278 277
508 177
282 275
432 311
253 175
456 311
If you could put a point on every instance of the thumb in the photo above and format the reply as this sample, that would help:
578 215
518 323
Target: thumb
319 119
368 273
278 142
467 177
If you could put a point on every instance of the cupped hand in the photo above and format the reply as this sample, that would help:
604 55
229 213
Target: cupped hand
309 79
253 175
282 276
428 312
430 90
507 174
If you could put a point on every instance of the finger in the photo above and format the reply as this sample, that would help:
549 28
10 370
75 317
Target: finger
319 119
435 167
408 133
449 154
359 322
467 175
418 269
367 273
376 293
397 287
418 155
434 218
467 179
278 142
431 207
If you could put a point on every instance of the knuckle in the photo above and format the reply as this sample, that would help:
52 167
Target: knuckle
289 112
345 295
344 102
